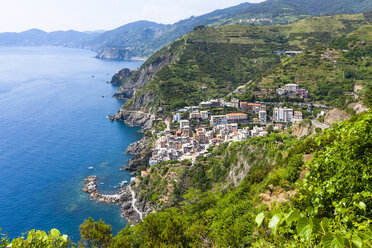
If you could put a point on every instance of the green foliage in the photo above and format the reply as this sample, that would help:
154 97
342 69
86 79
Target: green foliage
4 241
335 194
95 234
40 239
368 96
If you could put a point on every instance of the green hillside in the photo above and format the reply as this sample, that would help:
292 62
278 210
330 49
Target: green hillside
329 74
287 11
211 62
296 193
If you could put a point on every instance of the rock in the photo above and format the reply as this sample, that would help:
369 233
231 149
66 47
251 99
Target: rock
134 118
122 197
121 76
302 129
358 107
138 146
335 115
114 53
90 184
145 74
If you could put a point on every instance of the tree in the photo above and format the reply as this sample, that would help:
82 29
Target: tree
368 96
39 239
4 241
95 234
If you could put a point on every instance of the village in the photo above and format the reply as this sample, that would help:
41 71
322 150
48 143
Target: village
194 129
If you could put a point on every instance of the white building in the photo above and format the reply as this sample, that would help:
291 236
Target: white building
218 119
237 118
291 88
235 103
177 117
194 115
297 116
184 123
204 115
262 116
283 114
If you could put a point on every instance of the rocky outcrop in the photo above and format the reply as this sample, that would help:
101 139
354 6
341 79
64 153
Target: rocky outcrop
133 209
114 53
303 129
358 107
335 115
138 146
142 151
134 118
142 77
121 76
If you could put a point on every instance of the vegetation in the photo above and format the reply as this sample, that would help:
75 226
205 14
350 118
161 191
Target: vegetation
329 74
211 62
300 194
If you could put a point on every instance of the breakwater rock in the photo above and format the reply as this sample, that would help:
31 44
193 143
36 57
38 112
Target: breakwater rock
133 209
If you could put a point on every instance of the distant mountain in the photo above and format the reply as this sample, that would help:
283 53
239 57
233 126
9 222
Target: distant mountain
144 38
37 37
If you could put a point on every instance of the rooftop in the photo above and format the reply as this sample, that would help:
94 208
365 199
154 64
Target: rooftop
236 114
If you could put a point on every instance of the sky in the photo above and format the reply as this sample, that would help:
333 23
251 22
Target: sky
91 15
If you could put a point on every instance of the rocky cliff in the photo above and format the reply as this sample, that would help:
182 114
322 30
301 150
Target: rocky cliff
143 76
121 76
142 151
114 53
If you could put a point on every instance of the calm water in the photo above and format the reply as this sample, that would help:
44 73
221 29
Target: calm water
53 126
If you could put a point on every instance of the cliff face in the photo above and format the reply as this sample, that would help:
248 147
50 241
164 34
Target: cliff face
142 77
121 76
134 118
117 54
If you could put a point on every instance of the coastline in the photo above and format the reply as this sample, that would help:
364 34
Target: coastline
134 209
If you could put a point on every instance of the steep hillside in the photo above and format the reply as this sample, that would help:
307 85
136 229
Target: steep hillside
145 40
212 61
295 193
128 41
333 75
297 182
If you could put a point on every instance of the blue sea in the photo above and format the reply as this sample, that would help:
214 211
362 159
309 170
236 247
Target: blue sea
53 126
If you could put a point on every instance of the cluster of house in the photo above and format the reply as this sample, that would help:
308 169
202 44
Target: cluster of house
254 20
293 90
186 142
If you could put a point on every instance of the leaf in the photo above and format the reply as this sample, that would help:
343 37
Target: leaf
274 222
293 216
330 241
259 219
54 232
362 205
305 228
325 225
357 241
64 237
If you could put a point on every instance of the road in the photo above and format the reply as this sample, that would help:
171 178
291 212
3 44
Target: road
134 203
319 125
